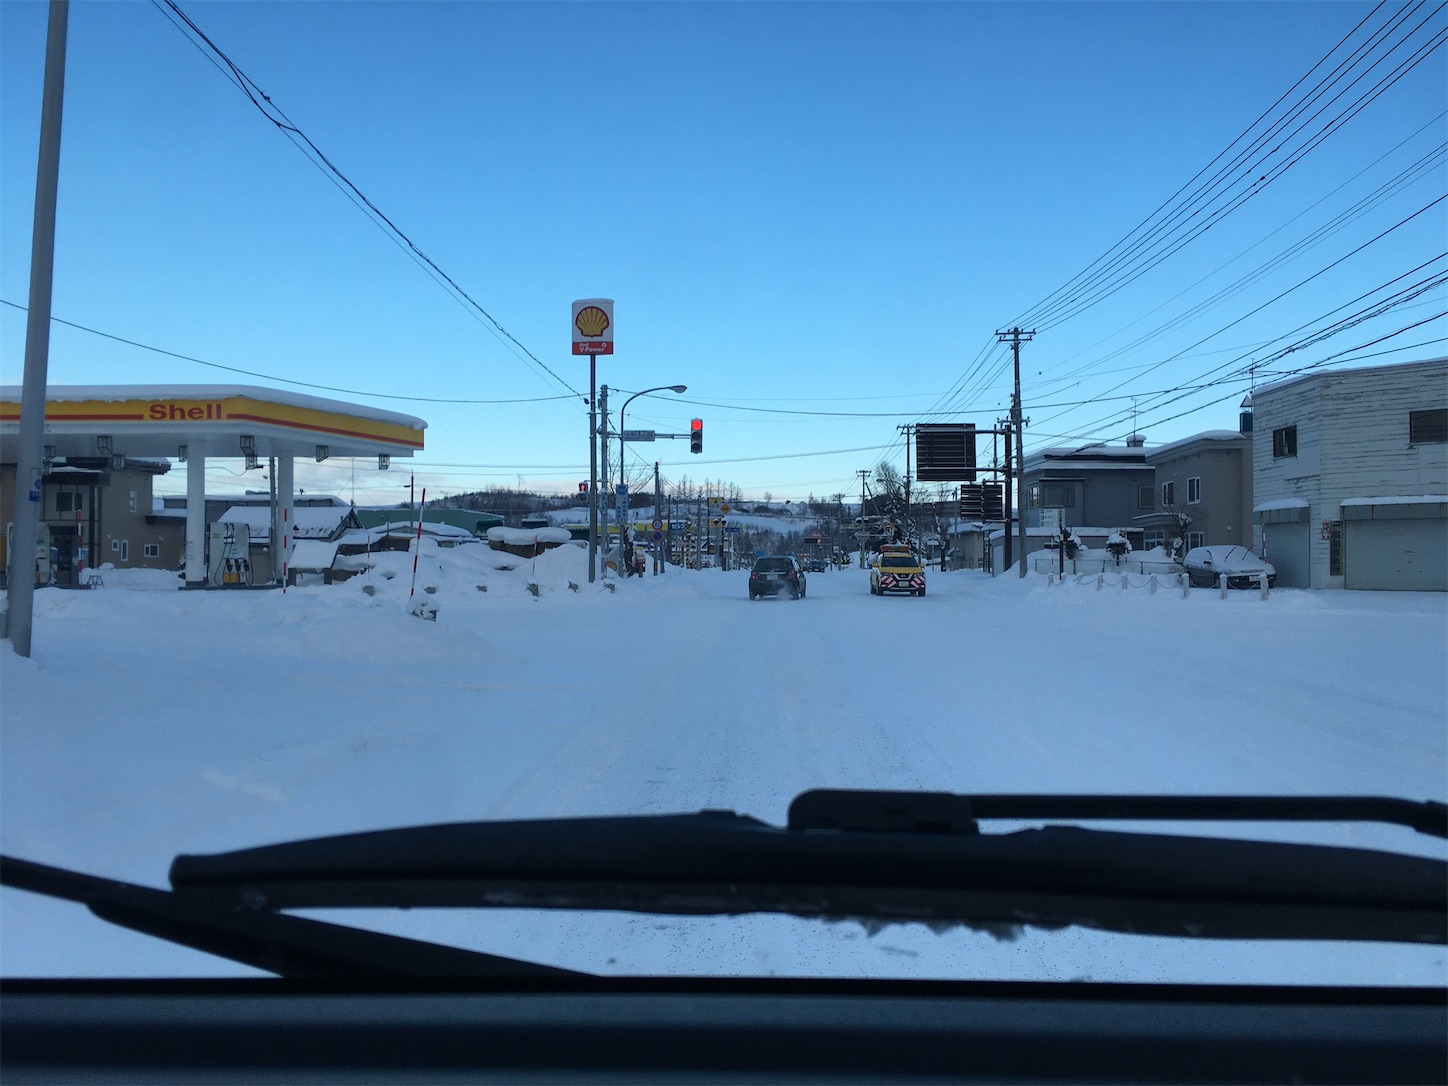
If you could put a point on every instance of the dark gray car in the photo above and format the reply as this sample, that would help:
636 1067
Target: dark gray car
774 574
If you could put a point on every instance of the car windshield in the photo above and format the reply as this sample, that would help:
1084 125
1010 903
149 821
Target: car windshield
393 417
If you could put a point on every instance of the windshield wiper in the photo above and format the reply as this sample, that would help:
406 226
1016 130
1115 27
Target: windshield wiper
875 857
290 946
882 857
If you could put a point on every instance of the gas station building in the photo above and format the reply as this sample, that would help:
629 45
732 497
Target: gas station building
104 445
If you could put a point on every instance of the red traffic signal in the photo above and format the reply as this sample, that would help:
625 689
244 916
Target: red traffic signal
696 436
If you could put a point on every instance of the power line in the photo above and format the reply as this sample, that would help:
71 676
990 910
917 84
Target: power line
1140 249
284 123
274 377
1410 175
1291 289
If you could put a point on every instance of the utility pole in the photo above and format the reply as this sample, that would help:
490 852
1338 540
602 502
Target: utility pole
658 516
1007 505
908 429
29 452
1015 337
859 541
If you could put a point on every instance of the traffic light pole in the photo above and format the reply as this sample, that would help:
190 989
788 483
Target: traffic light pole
604 492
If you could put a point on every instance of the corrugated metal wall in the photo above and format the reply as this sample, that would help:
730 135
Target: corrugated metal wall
1397 555
1287 550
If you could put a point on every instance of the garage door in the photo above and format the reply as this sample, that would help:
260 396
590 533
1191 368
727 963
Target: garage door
1287 550
1397 555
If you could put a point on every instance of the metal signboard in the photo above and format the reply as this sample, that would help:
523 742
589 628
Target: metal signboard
593 326
639 435
676 525
972 501
993 501
945 452
1052 519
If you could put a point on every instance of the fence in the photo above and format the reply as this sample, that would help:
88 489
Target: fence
1152 581
1050 561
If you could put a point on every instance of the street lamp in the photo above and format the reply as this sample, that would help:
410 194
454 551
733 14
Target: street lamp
678 389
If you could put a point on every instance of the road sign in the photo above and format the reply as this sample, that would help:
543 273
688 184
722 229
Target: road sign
676 525
657 536
1052 519
724 509
657 524
593 326
945 452
731 527
639 435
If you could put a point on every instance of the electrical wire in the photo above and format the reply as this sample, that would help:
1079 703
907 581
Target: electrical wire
1134 255
284 123
283 380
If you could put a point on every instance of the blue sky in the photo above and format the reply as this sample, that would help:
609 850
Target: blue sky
824 208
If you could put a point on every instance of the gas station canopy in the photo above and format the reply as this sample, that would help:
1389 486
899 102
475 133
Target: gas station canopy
215 420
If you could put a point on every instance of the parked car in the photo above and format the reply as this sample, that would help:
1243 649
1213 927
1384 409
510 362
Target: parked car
1205 565
776 573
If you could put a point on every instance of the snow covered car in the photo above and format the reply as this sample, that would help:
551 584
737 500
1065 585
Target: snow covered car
1205 565
897 570
776 573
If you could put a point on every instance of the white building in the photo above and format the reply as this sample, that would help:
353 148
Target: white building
1350 477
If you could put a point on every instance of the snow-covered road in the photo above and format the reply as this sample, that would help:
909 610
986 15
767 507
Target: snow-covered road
151 722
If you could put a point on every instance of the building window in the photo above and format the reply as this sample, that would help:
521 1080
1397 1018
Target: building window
1334 548
63 501
1168 494
152 550
125 550
115 546
133 501
1284 442
1145 497
1428 427
1194 490
1153 538
1058 495
1196 539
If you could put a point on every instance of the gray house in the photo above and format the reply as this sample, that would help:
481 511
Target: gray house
1207 478
1350 473
1093 485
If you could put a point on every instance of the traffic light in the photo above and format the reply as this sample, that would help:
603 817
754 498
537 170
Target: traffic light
583 488
696 436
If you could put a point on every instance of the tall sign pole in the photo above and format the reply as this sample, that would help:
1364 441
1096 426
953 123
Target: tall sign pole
592 467
1015 337
592 336
21 576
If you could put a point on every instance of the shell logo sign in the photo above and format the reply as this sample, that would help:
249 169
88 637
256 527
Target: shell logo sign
593 326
